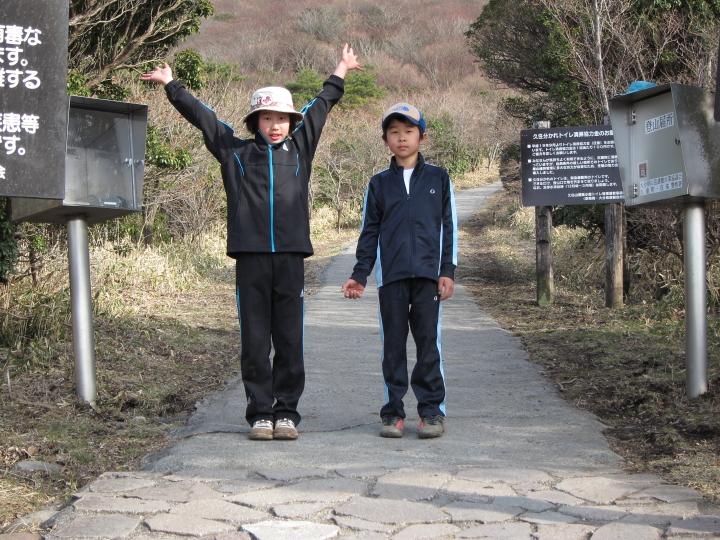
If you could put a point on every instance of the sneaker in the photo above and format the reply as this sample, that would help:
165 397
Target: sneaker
392 426
431 427
262 430
285 430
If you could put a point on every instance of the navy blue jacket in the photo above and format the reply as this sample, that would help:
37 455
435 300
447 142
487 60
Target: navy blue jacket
412 235
266 185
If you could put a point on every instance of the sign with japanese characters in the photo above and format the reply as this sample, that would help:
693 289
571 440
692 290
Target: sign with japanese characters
564 166
33 97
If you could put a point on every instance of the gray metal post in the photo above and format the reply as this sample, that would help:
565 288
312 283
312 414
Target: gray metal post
696 370
82 322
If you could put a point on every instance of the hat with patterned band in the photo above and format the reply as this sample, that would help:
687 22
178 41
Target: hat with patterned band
273 98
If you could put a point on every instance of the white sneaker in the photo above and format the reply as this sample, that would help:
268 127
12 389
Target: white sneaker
262 430
285 430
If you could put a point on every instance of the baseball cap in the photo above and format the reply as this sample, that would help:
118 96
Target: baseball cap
273 98
406 110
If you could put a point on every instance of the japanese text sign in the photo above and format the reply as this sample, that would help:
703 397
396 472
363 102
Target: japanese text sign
33 97
565 166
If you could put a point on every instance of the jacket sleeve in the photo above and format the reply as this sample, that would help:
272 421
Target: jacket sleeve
366 252
218 136
307 134
448 261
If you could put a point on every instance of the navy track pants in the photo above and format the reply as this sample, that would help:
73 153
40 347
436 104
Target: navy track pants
270 296
415 304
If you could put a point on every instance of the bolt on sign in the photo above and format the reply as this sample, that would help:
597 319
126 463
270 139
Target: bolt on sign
565 166
33 97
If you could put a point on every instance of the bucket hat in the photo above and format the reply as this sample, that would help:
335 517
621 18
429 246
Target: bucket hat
407 111
273 98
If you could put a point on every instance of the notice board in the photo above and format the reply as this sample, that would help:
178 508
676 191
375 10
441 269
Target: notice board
33 97
567 166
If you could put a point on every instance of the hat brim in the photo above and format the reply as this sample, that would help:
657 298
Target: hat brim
403 117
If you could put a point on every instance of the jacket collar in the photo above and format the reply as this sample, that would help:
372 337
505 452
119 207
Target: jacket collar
262 141
394 167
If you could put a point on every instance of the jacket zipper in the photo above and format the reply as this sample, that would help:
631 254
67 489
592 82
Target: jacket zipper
272 202
412 232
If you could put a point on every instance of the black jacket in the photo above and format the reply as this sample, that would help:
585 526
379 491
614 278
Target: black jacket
266 186
414 235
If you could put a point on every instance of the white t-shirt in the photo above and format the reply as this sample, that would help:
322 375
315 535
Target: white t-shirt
407 173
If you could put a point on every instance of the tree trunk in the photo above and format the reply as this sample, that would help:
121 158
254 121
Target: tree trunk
543 255
613 255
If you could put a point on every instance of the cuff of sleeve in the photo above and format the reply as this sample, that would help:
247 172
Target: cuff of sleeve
360 277
173 85
448 270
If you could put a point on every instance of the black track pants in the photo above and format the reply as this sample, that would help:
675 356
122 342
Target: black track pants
413 303
270 298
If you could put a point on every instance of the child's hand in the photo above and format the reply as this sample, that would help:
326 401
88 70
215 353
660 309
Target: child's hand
352 289
446 286
162 75
348 61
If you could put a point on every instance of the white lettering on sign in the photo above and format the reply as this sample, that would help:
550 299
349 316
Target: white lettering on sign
661 184
12 78
10 144
11 34
15 71
659 122
16 123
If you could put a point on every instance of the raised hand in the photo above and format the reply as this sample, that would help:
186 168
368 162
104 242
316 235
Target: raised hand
162 75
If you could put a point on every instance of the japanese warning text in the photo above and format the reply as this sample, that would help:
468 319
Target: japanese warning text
16 70
576 165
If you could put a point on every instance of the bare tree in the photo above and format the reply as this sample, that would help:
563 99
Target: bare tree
107 35
609 45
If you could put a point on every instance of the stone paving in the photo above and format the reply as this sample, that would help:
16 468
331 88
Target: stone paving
375 503
516 463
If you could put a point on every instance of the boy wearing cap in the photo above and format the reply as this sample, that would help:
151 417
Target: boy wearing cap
409 233
266 181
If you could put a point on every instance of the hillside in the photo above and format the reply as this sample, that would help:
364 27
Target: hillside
412 45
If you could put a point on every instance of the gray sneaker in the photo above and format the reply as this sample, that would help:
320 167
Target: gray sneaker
285 430
431 427
392 426
262 430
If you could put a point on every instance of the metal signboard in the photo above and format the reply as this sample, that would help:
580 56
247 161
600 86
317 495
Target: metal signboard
33 97
104 165
568 166
668 144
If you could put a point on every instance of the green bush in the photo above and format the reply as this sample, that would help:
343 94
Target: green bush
162 155
361 89
188 68
8 241
446 149
306 86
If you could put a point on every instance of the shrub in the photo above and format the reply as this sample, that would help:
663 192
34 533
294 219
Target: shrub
188 68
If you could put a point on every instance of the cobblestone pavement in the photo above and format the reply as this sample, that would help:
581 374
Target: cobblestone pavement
516 462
